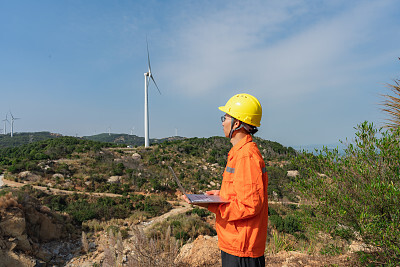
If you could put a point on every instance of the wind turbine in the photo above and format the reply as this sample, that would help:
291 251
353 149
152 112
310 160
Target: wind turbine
147 77
12 123
5 124
132 129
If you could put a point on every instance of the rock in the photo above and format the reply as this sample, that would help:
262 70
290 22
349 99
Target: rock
29 176
49 230
13 223
92 245
13 226
58 175
114 179
212 183
356 246
41 223
9 258
292 173
275 196
44 254
203 251
136 156
23 243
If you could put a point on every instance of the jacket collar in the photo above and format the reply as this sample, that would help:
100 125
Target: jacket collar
241 143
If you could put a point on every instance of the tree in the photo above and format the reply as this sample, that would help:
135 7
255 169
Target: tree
358 191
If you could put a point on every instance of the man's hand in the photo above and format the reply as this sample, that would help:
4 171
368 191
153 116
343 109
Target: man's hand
204 205
213 192
184 197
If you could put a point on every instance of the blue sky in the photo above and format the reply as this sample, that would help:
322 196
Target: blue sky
317 67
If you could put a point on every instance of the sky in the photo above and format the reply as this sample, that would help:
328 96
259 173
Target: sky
317 67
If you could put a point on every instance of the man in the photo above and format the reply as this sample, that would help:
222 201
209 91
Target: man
242 223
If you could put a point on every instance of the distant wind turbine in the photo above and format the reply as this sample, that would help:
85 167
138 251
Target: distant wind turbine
12 123
132 129
109 130
5 124
147 77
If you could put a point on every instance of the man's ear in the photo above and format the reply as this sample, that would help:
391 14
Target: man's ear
236 124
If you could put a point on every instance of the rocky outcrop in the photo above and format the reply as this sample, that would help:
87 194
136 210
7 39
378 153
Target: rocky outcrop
10 258
203 251
58 176
294 173
24 228
136 156
114 179
28 176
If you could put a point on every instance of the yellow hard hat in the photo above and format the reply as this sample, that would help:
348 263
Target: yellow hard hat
245 108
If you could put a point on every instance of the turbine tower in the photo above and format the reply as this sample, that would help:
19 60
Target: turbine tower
147 77
12 123
5 124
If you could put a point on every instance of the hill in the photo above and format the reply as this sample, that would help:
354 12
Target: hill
126 139
143 189
30 137
89 164
25 138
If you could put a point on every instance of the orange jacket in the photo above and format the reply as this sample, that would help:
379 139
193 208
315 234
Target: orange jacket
242 224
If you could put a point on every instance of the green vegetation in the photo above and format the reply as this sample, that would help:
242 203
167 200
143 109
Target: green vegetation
357 193
84 207
24 157
126 139
24 138
183 227
71 163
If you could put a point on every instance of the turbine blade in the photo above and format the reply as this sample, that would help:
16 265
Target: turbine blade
148 55
155 83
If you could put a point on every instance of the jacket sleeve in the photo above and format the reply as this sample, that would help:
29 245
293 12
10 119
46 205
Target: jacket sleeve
249 189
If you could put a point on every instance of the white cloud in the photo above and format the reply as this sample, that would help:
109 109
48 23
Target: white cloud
254 46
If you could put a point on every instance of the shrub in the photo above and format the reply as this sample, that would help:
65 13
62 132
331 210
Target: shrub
153 251
182 227
277 221
156 205
291 224
359 190
7 201
200 212
272 211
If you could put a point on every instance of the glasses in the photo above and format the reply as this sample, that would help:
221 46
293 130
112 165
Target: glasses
223 118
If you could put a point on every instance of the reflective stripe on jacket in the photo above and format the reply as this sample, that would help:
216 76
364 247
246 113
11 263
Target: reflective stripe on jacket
242 224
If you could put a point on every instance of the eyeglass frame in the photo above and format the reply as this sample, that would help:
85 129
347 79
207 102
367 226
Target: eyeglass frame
224 117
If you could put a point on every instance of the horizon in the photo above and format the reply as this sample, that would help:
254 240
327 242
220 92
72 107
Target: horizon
318 68
308 147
